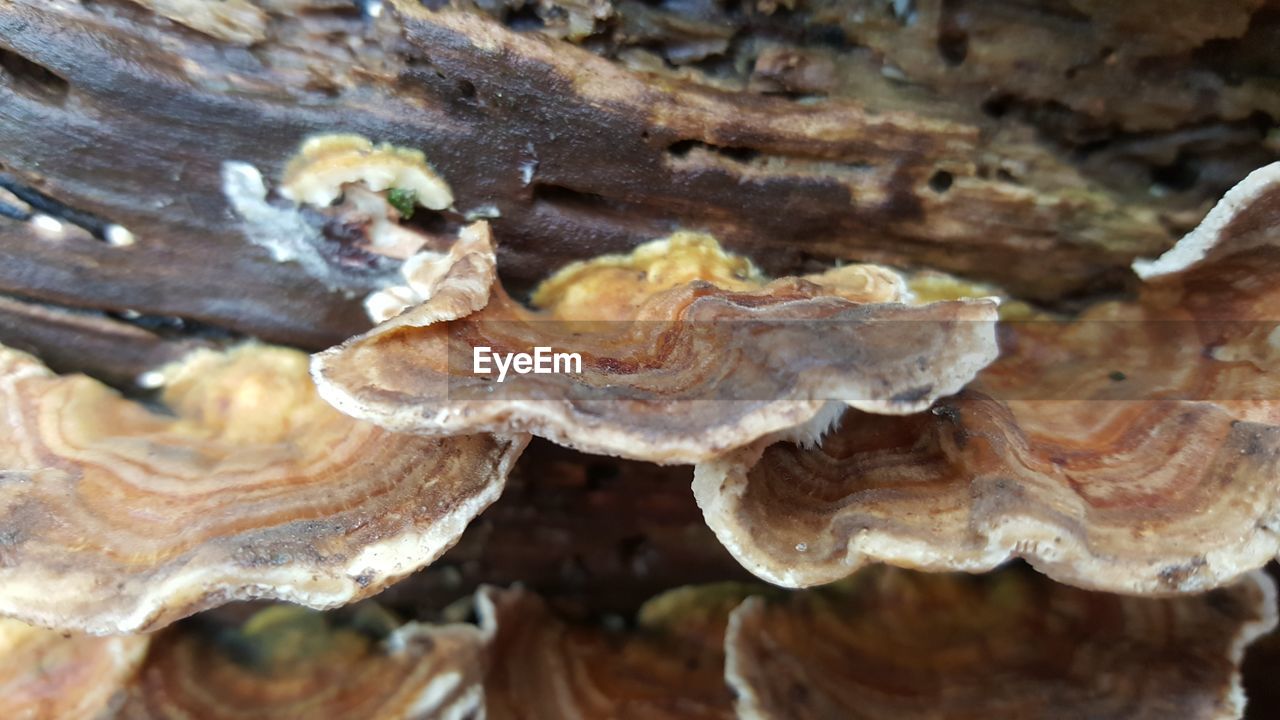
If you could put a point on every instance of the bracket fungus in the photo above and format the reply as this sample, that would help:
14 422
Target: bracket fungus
456 282
892 644
886 645
46 675
120 519
672 367
289 662
326 163
671 668
1133 449
343 202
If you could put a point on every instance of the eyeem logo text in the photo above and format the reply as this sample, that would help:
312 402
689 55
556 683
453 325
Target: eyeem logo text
542 361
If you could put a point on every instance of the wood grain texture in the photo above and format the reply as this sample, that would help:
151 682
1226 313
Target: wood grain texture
123 115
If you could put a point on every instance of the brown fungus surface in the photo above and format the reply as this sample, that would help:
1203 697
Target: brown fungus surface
117 518
674 367
894 645
457 283
325 164
887 644
45 674
287 662
670 667
1133 449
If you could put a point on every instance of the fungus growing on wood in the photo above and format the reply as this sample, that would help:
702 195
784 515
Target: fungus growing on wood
679 371
45 674
671 667
1133 449
289 662
456 283
356 243
325 164
893 644
887 644
1039 146
120 519
611 287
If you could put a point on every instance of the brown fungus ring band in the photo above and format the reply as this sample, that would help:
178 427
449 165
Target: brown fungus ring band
119 519
1050 455
887 644
676 368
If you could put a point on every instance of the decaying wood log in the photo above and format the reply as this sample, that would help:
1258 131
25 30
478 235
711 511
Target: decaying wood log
126 117
113 350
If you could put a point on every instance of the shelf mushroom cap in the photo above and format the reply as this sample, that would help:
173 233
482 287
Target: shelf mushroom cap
542 667
886 644
45 674
895 644
326 163
1135 448
289 662
120 519
673 368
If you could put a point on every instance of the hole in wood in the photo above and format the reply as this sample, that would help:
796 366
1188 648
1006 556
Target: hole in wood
32 79
941 181
737 154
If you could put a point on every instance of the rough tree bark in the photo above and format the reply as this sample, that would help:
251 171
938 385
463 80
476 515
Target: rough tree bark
126 116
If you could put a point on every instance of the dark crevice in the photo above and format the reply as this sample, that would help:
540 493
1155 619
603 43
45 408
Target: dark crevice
43 203
1178 176
795 95
170 327
357 9
953 41
31 78
830 36
636 553
13 213
421 71
346 246
600 473
736 154
997 106
437 223
524 18
564 196
1251 55
953 47
941 181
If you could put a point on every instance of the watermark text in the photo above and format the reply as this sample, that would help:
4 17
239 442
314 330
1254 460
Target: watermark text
542 361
